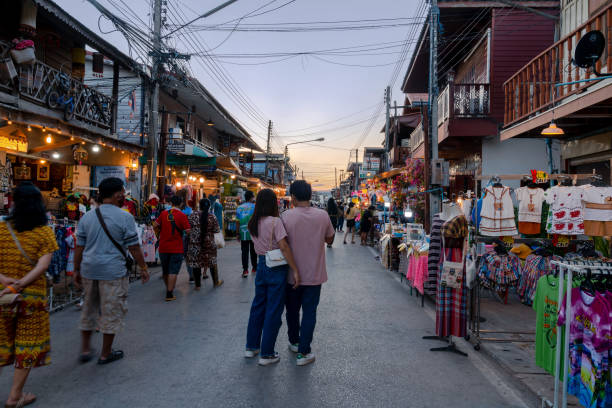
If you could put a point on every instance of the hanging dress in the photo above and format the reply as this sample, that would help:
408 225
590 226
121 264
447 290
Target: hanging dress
451 304
497 213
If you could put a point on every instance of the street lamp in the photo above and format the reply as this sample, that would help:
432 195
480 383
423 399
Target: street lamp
286 153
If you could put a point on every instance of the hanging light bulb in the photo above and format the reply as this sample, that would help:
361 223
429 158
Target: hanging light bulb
71 137
44 129
134 165
201 179
42 161
49 139
114 149
83 142
178 184
95 148
29 128
183 172
10 122
55 155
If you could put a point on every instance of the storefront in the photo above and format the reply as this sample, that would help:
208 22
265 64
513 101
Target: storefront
65 167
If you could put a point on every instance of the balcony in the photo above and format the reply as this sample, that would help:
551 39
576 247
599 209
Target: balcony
463 101
531 90
34 82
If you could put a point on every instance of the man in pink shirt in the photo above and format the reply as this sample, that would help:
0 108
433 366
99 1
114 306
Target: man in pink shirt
308 230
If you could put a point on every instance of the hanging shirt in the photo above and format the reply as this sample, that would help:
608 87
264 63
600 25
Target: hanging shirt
497 214
597 203
546 305
589 347
244 212
565 215
530 204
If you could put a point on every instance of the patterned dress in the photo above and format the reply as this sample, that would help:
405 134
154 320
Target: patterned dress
24 329
202 254
451 304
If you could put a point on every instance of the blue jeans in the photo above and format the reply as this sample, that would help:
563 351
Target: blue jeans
306 298
267 307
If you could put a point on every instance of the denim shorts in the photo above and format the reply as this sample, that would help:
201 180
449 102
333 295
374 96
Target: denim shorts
171 263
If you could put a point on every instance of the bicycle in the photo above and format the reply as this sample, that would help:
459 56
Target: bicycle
63 96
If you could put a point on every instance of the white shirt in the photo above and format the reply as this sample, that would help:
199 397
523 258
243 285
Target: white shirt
530 204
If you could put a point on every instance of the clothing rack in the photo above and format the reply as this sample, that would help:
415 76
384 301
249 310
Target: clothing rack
562 176
569 267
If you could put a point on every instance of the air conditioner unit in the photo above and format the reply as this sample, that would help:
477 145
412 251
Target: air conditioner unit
439 172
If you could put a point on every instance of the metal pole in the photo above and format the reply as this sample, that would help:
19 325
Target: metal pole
268 151
285 154
336 177
153 114
433 98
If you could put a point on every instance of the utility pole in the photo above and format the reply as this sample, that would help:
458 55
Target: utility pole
268 151
434 202
154 106
387 108
303 175
336 176
285 155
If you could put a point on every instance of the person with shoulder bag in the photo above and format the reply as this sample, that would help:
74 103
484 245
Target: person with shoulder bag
102 265
172 224
275 258
28 245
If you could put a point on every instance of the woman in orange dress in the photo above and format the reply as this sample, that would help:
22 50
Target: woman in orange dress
26 248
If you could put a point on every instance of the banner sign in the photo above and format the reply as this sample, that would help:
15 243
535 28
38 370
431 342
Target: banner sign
176 146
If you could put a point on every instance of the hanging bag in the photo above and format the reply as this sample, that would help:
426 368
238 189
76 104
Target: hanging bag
452 272
218 236
274 257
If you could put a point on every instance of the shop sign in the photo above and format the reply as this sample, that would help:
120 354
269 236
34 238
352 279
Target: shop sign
16 143
176 146
102 172
539 176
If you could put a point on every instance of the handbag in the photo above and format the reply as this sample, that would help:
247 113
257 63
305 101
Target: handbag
219 240
452 272
274 257
129 261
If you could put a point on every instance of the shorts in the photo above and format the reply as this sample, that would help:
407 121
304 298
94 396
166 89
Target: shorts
105 304
171 263
350 223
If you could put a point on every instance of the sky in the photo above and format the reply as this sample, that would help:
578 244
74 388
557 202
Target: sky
333 93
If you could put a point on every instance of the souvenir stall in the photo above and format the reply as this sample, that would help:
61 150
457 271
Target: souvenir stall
532 246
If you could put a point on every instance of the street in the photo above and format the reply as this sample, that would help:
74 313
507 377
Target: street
189 353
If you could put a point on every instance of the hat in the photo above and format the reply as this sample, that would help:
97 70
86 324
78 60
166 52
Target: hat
522 251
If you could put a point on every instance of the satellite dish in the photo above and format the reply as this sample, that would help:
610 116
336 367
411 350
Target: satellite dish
589 49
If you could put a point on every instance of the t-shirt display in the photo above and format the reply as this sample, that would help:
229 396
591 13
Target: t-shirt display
530 209
565 216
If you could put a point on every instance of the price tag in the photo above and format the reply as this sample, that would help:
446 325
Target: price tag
561 241
539 176
508 241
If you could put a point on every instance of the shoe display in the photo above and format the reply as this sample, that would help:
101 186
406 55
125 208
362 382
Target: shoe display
264 361
303 359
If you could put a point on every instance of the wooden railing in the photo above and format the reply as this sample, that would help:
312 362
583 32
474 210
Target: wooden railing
417 137
532 89
463 101
34 82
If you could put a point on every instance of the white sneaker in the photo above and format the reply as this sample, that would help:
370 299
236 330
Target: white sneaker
303 360
294 347
251 353
264 361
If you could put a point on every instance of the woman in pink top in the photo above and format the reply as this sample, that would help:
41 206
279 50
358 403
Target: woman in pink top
268 233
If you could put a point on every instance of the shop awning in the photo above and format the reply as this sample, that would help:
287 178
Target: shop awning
228 163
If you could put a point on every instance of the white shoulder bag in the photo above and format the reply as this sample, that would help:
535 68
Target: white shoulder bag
274 257
452 272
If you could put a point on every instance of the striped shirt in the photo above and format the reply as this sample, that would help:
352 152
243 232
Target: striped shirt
433 260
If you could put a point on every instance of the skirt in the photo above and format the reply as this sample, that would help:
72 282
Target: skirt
451 304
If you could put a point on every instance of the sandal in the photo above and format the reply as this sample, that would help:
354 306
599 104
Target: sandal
26 399
86 357
113 356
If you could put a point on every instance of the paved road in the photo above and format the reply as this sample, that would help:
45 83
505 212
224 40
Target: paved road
189 353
